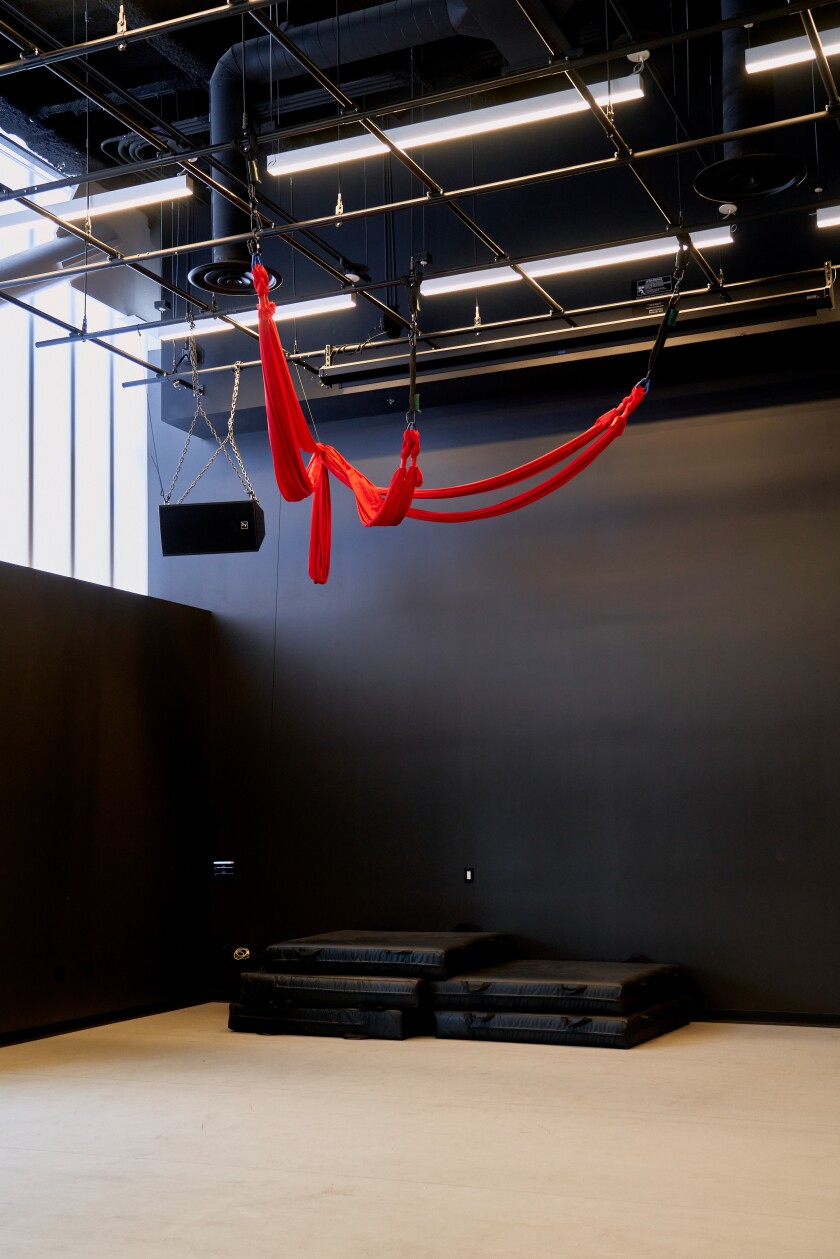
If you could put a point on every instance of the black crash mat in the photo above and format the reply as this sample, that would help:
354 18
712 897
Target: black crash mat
431 954
365 992
302 1021
608 1031
548 986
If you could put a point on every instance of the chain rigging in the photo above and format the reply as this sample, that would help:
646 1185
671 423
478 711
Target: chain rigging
223 445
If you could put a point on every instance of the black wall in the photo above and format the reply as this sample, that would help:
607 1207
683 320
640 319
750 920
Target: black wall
619 706
104 846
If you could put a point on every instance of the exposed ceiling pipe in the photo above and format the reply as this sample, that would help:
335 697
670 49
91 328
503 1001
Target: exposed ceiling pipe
748 170
371 32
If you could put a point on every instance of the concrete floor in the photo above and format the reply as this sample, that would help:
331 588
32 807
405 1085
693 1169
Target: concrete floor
170 1136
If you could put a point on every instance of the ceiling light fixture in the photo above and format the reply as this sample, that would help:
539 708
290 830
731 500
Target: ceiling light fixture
101 203
828 216
789 52
250 318
587 260
455 127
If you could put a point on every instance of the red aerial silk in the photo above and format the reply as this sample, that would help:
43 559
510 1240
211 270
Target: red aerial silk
289 434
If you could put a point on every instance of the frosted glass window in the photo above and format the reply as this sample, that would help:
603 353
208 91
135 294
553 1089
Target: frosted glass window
131 549
73 437
92 463
14 501
52 447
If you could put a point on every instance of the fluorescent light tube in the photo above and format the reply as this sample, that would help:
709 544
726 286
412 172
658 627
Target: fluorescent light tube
584 261
789 52
828 216
455 127
110 202
468 280
250 318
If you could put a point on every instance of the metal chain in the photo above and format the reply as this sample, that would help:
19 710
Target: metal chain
222 444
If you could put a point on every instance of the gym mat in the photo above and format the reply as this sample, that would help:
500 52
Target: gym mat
547 986
304 1021
365 992
433 954
608 1031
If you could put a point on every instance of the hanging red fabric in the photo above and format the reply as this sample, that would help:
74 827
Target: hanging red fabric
289 434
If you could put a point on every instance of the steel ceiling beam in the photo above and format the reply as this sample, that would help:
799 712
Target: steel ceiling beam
78 334
72 52
668 95
188 166
237 7
440 334
517 78
824 69
431 185
556 48
415 202
139 114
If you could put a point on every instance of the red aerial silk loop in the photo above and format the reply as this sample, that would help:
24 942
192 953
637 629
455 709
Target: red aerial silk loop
616 421
535 466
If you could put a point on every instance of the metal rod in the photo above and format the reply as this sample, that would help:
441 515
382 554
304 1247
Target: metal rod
545 318
829 86
82 86
237 7
681 117
605 120
498 185
78 335
432 186
132 260
168 27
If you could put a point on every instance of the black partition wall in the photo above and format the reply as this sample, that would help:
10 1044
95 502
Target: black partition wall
107 794
619 707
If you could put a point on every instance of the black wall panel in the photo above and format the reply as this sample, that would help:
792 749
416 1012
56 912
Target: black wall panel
104 840
619 706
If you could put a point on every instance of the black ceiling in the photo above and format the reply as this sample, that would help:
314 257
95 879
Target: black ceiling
162 85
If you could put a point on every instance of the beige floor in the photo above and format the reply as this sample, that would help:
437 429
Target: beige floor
170 1136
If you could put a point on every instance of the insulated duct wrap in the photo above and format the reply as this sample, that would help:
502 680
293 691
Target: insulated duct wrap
365 33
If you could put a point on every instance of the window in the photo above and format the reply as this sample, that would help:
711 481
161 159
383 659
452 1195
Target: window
74 441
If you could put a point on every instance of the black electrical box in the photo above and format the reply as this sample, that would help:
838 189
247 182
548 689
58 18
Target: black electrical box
211 528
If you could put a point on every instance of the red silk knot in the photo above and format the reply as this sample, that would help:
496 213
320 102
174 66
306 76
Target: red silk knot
289 434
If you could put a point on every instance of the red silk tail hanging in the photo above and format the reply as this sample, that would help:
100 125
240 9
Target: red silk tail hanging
288 434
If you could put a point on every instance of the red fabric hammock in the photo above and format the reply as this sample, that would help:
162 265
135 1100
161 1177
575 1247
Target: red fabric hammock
289 434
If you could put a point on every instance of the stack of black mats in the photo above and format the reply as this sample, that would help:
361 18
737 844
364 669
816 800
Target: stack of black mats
611 1004
358 983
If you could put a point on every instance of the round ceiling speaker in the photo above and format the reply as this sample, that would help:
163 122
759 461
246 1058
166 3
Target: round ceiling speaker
231 277
749 175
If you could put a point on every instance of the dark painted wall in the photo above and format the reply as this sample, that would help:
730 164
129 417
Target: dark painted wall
619 706
103 846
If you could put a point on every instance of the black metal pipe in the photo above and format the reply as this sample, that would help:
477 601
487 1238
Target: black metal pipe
829 86
383 28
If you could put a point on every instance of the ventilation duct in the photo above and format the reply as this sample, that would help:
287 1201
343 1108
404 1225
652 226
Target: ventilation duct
365 33
747 171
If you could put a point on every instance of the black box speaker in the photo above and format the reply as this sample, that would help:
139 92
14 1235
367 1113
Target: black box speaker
211 528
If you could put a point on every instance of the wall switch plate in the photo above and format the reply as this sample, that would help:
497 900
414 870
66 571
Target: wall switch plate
469 874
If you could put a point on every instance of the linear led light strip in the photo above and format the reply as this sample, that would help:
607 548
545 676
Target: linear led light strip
455 127
292 310
100 203
829 216
585 261
789 52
